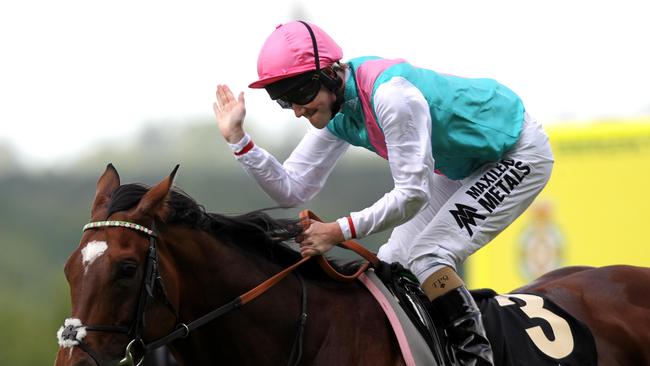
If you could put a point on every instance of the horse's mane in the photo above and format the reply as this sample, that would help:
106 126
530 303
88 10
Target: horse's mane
255 231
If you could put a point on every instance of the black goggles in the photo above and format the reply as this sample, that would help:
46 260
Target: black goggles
301 95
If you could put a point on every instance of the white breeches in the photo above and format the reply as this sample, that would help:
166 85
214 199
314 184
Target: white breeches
462 216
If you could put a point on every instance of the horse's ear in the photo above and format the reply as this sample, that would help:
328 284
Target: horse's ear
106 184
154 202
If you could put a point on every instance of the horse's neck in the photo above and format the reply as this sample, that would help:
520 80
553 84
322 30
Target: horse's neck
210 274
209 265
342 317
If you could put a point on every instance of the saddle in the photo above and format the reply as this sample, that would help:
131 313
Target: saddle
405 287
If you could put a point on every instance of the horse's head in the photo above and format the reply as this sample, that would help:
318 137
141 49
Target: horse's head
114 279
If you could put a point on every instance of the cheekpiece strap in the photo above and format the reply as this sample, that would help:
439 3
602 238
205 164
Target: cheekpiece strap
126 224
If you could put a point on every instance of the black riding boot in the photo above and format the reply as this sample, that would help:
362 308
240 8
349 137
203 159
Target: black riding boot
461 319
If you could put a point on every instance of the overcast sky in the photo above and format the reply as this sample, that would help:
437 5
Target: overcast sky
73 73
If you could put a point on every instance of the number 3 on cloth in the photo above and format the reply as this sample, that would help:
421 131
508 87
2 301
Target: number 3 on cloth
559 348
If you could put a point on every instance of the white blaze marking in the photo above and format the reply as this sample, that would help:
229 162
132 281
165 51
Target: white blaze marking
92 251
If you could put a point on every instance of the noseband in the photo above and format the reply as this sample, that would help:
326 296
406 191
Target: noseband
73 331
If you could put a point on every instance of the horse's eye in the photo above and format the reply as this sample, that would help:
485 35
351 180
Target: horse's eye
126 270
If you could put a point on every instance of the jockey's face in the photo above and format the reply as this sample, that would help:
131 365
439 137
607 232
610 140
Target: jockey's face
319 110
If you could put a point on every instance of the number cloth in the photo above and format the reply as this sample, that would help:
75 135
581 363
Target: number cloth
528 330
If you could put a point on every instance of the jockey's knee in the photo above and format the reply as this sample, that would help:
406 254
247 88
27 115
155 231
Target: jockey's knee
424 266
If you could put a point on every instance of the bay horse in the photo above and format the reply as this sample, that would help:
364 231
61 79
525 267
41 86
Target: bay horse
153 268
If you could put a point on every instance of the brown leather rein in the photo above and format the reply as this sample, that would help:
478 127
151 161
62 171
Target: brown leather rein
305 217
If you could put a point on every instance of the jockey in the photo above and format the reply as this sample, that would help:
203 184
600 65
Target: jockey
465 157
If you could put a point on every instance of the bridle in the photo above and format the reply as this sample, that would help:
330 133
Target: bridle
72 333
150 282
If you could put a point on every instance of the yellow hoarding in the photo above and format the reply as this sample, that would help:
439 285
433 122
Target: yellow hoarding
594 211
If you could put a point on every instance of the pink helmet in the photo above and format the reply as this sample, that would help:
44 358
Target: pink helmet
289 51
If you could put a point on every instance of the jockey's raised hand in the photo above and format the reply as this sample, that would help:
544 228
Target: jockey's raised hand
230 113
